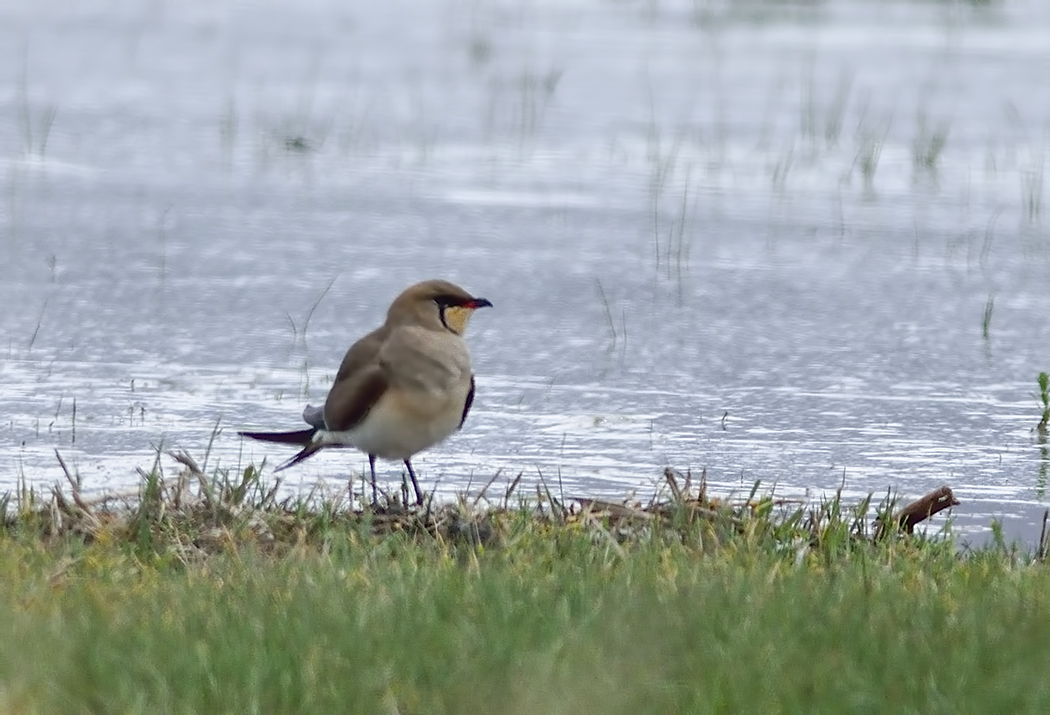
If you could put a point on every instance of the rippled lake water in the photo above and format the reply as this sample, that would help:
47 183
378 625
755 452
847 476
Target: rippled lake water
798 244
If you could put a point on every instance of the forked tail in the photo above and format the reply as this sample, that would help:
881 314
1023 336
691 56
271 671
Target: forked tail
303 438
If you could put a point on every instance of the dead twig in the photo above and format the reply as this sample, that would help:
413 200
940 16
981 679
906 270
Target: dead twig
672 482
82 511
612 509
920 510
510 490
485 489
1041 553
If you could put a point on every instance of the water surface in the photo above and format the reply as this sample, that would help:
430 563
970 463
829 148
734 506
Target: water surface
756 239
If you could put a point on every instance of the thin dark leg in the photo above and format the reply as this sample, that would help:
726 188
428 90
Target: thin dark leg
415 484
372 468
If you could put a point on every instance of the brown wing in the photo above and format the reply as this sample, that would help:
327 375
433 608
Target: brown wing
350 399
358 385
363 353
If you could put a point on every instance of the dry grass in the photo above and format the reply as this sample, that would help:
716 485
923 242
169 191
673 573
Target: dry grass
187 515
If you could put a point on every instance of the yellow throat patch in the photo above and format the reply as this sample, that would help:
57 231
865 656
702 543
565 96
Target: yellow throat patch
456 318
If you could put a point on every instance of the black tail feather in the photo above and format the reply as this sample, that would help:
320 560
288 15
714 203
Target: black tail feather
306 452
301 437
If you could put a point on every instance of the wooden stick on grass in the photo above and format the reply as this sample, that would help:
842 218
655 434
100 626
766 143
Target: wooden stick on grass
922 509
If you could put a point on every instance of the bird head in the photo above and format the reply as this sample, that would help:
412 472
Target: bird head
435 304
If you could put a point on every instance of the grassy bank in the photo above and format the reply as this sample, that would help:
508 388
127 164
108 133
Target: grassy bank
209 605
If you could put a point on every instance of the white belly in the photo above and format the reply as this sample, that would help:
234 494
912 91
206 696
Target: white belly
402 424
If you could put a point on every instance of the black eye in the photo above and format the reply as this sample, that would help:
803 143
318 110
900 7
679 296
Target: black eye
448 301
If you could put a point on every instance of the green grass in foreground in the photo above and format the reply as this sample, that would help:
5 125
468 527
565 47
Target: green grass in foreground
732 611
